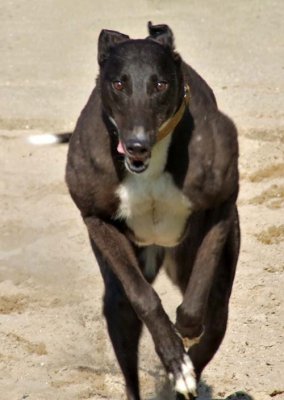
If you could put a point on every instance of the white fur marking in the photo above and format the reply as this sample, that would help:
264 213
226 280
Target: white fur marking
41 140
186 382
113 121
152 205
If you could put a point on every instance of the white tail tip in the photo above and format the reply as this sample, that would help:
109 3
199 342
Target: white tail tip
44 139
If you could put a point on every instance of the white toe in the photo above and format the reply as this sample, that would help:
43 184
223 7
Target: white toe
186 382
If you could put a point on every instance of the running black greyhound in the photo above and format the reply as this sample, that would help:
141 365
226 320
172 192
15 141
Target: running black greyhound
153 168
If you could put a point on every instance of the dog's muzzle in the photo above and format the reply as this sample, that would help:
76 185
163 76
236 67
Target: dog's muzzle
137 155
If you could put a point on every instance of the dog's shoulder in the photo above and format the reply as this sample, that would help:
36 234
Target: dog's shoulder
212 175
213 168
92 174
201 94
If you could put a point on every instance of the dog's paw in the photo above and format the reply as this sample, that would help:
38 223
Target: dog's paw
184 382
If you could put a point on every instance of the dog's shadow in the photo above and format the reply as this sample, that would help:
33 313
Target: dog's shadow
164 392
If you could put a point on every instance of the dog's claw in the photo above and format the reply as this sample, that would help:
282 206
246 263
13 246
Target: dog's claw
185 382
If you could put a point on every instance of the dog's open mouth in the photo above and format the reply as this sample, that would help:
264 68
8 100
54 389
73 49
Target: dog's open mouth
133 164
136 166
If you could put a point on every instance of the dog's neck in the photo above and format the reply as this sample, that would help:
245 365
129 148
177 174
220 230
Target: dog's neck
158 159
160 150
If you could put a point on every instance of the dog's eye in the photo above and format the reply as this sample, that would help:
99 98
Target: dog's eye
162 86
118 85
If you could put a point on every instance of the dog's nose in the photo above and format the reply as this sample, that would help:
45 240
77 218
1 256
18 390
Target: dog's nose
138 149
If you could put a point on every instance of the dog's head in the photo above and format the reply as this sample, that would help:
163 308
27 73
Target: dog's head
141 87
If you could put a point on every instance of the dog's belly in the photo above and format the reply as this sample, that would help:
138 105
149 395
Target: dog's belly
154 209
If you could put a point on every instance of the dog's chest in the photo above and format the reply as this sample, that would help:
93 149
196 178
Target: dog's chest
153 208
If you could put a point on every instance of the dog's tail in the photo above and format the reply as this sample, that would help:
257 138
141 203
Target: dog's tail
50 138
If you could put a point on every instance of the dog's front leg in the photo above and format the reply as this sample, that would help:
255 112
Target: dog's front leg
191 313
120 256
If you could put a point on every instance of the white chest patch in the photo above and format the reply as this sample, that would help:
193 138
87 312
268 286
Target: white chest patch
152 205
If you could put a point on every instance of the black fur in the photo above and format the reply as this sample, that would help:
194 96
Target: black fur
203 162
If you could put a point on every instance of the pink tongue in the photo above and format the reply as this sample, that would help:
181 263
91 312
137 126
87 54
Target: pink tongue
120 148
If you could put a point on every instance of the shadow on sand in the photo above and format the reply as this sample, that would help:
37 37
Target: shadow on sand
204 393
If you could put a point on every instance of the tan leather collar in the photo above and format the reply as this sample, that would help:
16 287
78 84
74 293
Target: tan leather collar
170 125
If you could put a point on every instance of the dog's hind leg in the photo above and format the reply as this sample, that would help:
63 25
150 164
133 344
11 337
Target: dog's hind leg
124 329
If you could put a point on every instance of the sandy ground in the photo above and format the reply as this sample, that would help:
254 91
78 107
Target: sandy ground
53 342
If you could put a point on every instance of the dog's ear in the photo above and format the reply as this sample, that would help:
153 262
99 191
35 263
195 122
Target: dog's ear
107 40
162 34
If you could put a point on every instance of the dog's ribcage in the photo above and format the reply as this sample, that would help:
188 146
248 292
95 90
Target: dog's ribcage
152 205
